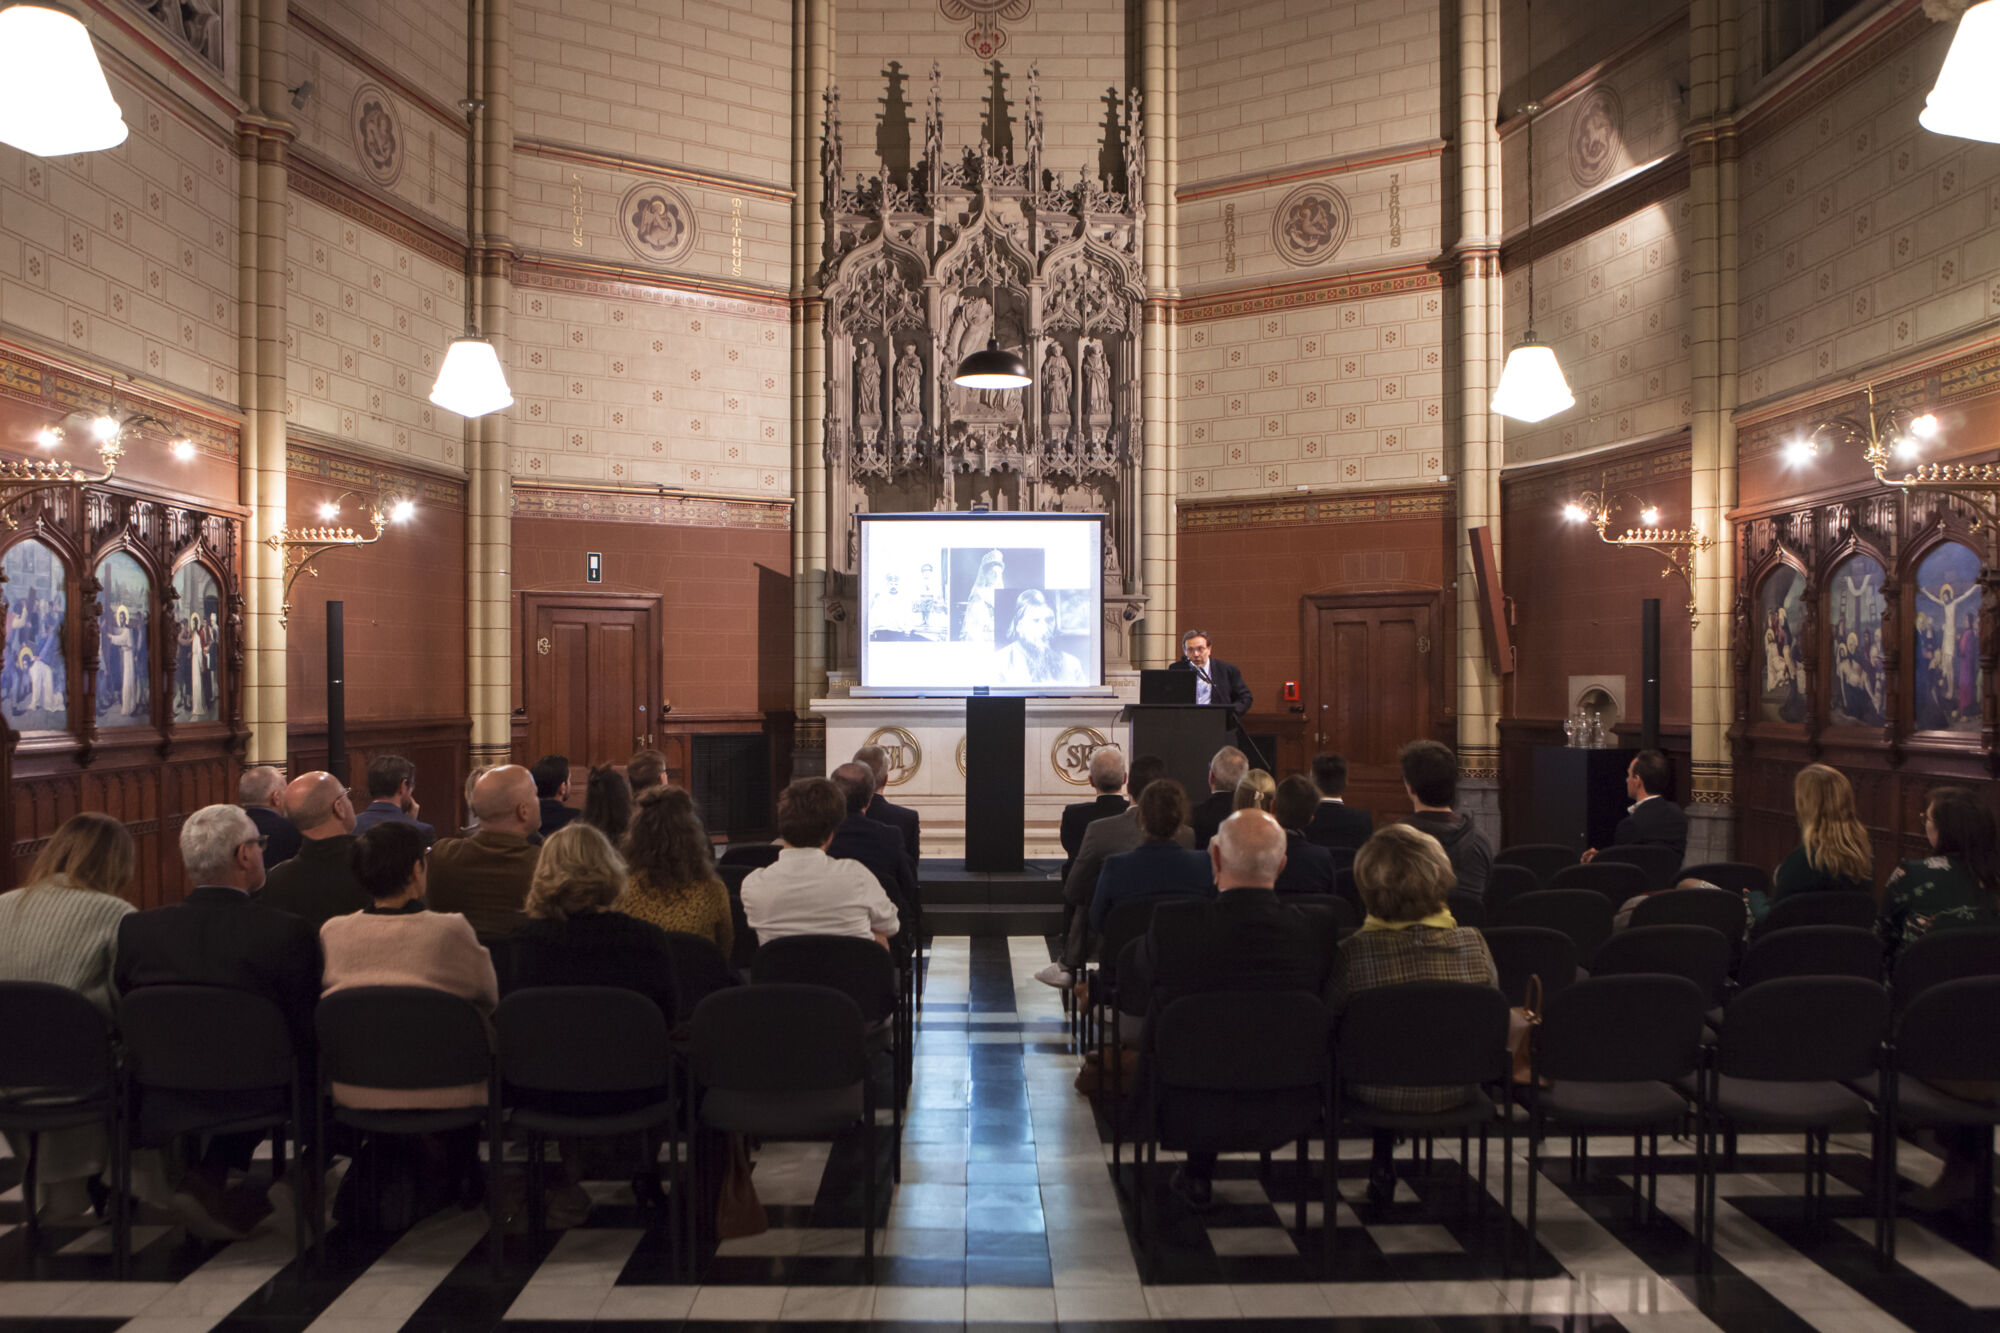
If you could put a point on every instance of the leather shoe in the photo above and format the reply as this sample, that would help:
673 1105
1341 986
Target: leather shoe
1196 1193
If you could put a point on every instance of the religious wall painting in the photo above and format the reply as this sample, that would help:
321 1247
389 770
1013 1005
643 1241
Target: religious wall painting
124 637
377 134
1854 625
34 681
1310 225
197 645
1781 616
1947 680
657 222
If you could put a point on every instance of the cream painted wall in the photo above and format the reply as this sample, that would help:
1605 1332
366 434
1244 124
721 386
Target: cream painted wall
422 41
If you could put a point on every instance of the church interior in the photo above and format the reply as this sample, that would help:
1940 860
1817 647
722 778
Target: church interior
477 380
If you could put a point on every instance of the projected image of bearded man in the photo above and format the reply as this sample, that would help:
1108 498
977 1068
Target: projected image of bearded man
1030 656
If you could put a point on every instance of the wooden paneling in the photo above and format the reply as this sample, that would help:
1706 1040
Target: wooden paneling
440 747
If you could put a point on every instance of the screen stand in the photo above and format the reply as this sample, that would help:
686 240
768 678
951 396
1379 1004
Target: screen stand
996 782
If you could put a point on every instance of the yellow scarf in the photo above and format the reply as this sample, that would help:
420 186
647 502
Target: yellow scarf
1441 919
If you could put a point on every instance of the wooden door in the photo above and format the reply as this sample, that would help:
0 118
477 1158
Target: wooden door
593 677
1375 678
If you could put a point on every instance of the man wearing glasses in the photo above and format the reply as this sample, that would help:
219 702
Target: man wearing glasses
318 883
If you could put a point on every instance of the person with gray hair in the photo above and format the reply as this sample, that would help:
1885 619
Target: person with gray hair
884 811
218 936
260 791
1107 776
1225 770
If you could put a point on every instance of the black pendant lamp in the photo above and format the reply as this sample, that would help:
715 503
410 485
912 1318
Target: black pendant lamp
995 367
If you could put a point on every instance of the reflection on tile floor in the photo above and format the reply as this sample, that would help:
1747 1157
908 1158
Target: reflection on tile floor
1008 1215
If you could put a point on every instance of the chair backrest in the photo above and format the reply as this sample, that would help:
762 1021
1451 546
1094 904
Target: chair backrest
52 1038
401 1037
1659 863
1540 859
1824 908
733 874
700 970
742 939
581 1039
205 1039
1123 924
1622 1029
1615 881
1243 1041
1134 992
1468 909
859 969
779 1038
1736 876
1337 909
1813 951
1582 914
1945 955
1520 952
1424 1034
1719 909
1504 883
752 855
1343 857
1345 889
1694 953
1952 1031
1804 1030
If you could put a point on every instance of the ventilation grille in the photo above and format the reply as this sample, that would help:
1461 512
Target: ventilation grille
732 784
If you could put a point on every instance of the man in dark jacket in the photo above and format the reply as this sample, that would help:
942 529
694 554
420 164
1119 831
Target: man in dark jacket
551 774
1158 868
1308 868
899 817
1652 818
259 791
1224 772
1107 775
880 848
1334 822
485 877
318 884
1430 776
392 794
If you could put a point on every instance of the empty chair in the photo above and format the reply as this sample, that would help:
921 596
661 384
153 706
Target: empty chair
1695 953
1718 909
1736 876
1540 859
1948 1034
1944 955
1468 909
58 1070
751 855
1812 951
1817 909
1582 914
1504 883
861 970
1661 864
1617 882
1521 952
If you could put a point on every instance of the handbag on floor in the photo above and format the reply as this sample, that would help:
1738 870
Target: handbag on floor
738 1211
1522 1020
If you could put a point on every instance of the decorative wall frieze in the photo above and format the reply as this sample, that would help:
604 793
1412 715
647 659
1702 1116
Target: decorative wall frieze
307 456
1627 467
317 180
1296 511
1358 286
63 388
1957 378
646 166
618 283
662 508
1654 183
1864 48
1299 173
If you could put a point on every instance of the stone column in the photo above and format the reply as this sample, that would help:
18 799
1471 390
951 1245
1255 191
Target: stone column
263 141
811 61
1157 642
1171 203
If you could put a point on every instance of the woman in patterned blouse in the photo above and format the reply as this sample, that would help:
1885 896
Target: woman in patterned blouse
1954 886
674 884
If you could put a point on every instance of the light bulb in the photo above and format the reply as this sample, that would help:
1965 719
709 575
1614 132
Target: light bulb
403 511
53 97
1575 513
1801 451
48 437
103 429
1650 516
183 450
1906 447
1925 427
329 511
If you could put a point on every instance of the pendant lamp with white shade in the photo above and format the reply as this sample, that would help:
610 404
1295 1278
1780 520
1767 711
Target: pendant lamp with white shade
1962 103
471 382
1532 387
53 96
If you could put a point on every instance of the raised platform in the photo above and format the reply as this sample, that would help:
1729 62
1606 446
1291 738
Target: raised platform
958 901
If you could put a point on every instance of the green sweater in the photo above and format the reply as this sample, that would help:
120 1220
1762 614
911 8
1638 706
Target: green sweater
1935 893
1799 875
63 935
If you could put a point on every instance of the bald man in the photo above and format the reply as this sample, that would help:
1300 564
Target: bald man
261 792
486 875
317 883
1244 938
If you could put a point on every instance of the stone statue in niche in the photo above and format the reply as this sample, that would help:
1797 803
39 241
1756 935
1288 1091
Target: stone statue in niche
868 381
1056 383
1096 383
1114 577
910 386
971 325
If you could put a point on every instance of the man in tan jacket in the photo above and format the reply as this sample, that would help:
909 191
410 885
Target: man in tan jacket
486 875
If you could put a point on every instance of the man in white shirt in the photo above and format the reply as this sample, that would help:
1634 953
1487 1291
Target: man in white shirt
807 892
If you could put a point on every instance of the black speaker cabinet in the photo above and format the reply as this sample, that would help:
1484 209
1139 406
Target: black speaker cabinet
996 782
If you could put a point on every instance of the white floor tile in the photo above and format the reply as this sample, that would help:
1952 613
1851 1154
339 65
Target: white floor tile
1194 1301
828 1304
1281 1300
1010 1305
939 1304
1116 1301
646 1303
736 1303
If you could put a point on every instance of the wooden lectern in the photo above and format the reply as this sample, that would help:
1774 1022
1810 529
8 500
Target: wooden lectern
1184 736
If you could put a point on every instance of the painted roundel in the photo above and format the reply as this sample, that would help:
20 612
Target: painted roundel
378 134
1310 225
1595 136
657 223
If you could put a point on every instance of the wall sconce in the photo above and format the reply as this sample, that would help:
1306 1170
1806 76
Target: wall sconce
301 546
1679 547
1899 435
22 477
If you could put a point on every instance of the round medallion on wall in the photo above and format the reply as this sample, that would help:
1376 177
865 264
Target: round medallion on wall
960 756
905 755
1070 755
656 221
1310 225
1594 136
378 134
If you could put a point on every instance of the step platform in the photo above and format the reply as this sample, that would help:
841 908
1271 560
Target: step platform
958 901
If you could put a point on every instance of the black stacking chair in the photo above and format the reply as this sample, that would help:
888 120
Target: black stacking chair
59 1070
408 1038
700 970
1695 953
1343 858
1345 890
1582 914
1428 1034
862 971
1540 859
1944 955
776 1061
1241 1071
1521 952
1123 924
207 1060
1616 881
1468 909
1720 910
1812 951
733 876
587 1062
1504 883
1736 876
1130 1004
750 855
1661 864
1831 908
1345 922
1613 1049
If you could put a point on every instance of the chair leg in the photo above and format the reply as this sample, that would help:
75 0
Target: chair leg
1305 1183
868 1183
1479 1185
1638 1195
537 1187
28 1189
1117 1071
1534 1171
121 1176
495 1157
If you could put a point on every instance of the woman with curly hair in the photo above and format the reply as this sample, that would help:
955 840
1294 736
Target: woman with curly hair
673 881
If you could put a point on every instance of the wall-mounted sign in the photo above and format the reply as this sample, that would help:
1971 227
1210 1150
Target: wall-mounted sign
593 569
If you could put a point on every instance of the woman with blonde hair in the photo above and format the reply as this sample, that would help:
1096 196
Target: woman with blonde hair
674 884
1833 852
1255 791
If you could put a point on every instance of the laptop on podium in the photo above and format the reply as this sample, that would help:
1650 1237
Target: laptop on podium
1166 687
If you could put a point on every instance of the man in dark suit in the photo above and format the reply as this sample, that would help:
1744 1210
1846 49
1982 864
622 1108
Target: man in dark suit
1224 772
318 884
1652 818
1308 868
899 817
1158 868
259 792
392 782
1107 775
551 774
880 848
1102 840
217 936
1244 938
1334 822
1218 683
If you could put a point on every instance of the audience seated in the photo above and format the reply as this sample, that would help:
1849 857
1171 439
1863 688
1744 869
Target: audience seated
485 877
1255 792
1336 824
672 881
1244 937
1308 867
877 846
216 936
551 774
392 782
1101 838
1107 779
901 817
807 892
1652 818
1159 867
1225 770
1405 879
317 884
646 770
607 802
259 791
1953 887
1833 852
1430 776
59 929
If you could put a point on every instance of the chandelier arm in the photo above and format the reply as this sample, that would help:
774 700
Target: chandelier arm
301 548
